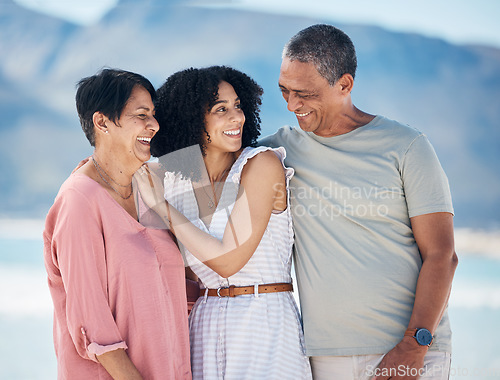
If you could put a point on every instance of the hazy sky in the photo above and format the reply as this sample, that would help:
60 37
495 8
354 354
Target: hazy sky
457 21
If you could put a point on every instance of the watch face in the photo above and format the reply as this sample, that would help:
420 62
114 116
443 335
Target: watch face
424 337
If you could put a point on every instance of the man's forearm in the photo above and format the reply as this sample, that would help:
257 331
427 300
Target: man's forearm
433 290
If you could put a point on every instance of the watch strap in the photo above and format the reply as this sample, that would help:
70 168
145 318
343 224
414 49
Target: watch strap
411 332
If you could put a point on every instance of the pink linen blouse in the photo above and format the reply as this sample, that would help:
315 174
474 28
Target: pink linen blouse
114 284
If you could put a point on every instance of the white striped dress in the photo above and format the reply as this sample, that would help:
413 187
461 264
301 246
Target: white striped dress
248 336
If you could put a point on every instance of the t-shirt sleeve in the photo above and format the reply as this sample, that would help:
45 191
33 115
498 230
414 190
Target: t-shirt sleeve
425 183
78 250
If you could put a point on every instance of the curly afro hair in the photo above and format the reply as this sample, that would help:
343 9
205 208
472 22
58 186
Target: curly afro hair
183 101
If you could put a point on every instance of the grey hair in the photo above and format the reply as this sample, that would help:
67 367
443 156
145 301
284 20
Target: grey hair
328 48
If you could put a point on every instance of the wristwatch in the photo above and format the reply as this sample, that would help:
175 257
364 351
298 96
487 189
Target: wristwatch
422 336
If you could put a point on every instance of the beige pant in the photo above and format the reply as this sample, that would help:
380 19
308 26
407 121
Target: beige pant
364 367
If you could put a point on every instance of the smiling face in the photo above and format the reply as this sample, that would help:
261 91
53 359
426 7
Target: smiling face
136 126
224 121
315 103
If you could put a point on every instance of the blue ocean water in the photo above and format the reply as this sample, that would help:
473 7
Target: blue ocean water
27 353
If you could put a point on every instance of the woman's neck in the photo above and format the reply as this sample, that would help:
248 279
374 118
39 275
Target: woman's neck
117 169
115 176
218 165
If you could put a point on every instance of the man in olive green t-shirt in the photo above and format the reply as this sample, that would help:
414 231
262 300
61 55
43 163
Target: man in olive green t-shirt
373 220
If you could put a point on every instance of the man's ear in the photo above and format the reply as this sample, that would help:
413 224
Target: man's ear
100 122
346 83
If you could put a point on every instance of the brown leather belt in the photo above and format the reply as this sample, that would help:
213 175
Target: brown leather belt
234 291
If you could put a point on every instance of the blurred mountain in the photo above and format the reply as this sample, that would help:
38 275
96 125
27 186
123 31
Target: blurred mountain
449 92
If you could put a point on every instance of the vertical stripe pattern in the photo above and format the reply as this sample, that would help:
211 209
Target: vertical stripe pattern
249 336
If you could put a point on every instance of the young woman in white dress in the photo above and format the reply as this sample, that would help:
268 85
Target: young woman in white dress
227 204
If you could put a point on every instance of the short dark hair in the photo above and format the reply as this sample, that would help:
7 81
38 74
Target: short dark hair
185 98
108 92
328 48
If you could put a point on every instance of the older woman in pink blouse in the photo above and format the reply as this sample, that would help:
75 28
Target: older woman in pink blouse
118 287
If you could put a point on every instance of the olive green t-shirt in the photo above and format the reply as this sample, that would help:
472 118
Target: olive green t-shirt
356 259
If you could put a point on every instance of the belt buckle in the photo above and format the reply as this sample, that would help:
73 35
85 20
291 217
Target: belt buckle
230 291
218 291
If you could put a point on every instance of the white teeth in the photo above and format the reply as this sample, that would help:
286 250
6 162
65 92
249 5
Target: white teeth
145 139
232 133
302 114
